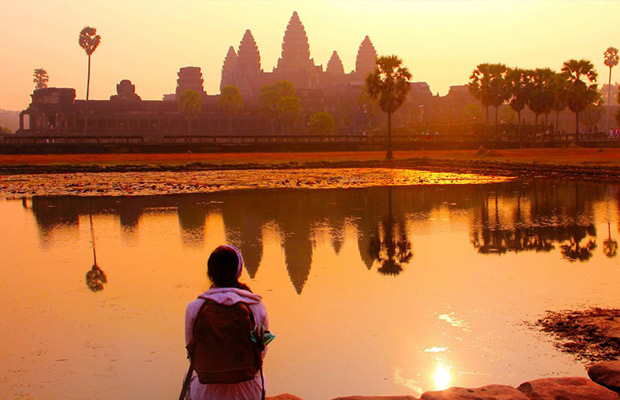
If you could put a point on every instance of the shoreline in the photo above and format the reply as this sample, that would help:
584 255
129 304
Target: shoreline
573 164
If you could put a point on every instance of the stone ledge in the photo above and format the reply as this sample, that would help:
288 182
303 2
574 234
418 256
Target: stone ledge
490 392
606 374
566 389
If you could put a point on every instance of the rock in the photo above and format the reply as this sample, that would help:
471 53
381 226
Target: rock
566 389
606 374
376 398
490 392
284 396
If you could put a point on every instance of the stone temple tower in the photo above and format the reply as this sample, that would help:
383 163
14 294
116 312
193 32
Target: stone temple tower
366 59
295 64
190 78
334 65
247 72
228 68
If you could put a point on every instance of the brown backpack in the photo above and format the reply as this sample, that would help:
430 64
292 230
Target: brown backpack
224 351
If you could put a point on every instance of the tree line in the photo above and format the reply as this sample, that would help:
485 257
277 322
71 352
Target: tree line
278 102
542 90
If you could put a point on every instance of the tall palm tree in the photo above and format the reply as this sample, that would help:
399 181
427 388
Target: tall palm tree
89 40
517 84
389 85
582 89
489 85
541 96
611 60
479 87
559 96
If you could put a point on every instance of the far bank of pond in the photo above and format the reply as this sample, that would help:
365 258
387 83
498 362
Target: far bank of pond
573 163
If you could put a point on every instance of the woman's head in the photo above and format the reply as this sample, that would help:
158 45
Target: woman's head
224 266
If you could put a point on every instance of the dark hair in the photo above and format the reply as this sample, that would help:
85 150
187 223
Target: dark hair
222 268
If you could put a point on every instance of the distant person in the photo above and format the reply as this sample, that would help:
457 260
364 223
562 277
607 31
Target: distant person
226 334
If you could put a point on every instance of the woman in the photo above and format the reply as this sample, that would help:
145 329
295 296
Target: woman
224 269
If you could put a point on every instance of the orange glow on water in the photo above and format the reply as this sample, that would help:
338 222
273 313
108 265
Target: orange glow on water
451 314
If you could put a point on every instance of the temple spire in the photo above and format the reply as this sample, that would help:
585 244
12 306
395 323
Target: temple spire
295 47
247 76
334 65
228 68
366 58
248 56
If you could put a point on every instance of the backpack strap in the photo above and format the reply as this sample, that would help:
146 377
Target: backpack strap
191 347
255 327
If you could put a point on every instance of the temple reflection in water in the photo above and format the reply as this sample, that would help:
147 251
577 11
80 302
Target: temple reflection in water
542 216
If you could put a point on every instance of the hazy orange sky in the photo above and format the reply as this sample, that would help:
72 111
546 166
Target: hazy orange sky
148 41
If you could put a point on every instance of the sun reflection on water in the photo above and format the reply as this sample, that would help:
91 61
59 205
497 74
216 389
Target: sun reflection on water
442 376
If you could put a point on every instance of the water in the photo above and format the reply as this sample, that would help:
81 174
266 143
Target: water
372 291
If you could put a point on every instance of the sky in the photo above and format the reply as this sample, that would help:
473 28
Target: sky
440 41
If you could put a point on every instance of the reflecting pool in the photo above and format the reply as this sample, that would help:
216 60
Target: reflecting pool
374 291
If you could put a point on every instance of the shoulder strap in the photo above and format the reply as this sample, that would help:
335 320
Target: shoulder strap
191 347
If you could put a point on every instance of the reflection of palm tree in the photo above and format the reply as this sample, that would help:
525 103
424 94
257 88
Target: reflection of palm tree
389 244
95 278
610 246
573 250
396 250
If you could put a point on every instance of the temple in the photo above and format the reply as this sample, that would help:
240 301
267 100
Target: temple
332 89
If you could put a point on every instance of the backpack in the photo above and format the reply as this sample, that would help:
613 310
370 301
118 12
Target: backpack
224 351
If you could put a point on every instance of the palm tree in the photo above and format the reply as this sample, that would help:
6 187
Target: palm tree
89 40
488 84
610 246
541 96
517 84
582 89
559 96
611 60
389 85
40 78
